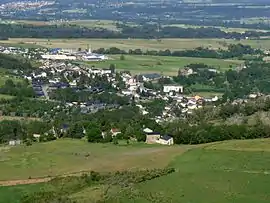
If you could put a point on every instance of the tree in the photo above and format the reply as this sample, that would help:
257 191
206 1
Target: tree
75 131
112 68
122 57
94 134
140 136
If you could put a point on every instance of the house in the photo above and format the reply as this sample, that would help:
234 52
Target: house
165 140
37 136
253 96
213 70
172 88
185 72
14 142
152 138
147 130
115 132
151 76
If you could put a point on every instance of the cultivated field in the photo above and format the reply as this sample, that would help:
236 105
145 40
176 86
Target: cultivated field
166 65
144 44
223 172
225 29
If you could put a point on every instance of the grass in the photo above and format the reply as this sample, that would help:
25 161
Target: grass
213 174
224 172
17 118
4 78
106 24
144 44
168 65
67 156
4 96
225 29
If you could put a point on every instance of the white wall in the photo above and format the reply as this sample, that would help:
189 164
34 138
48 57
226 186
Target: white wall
170 88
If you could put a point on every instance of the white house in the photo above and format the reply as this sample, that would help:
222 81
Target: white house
58 57
147 130
165 140
106 71
14 142
173 88
115 132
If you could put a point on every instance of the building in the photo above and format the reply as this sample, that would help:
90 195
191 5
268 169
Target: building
14 142
115 132
186 71
165 140
151 76
94 57
58 57
152 138
173 88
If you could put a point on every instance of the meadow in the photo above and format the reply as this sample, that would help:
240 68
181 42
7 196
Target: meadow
166 65
144 44
224 172
69 156
225 29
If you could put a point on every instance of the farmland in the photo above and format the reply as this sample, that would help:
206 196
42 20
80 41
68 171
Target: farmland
225 29
161 64
231 171
144 44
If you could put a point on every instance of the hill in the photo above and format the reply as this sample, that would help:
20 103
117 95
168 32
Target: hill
231 171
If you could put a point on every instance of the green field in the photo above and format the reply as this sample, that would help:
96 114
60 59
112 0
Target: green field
223 172
144 44
4 78
225 29
166 65
106 24
4 96
68 156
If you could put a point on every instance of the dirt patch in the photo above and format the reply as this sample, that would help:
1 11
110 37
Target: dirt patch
24 182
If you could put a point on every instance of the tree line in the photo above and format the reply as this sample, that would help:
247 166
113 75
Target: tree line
140 31
21 130
233 51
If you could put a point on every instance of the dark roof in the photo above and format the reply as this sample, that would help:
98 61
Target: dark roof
153 133
165 137
152 75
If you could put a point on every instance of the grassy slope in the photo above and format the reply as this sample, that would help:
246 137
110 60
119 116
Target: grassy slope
173 44
214 174
225 172
67 156
169 65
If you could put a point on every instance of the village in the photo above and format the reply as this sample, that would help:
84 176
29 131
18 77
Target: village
58 71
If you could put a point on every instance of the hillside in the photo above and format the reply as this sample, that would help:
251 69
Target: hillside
231 171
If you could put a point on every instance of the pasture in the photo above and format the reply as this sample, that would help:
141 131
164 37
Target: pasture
232 171
144 44
69 156
225 29
166 65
